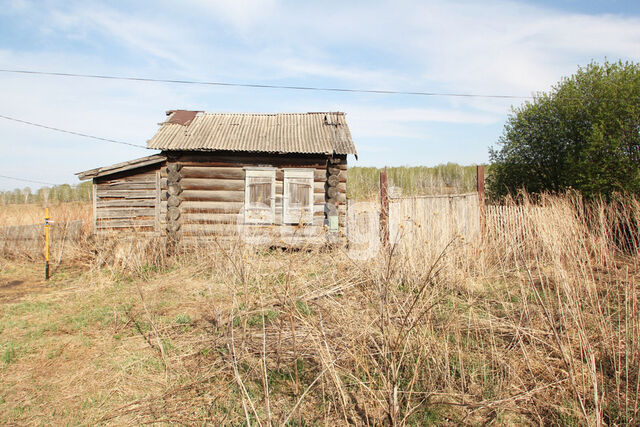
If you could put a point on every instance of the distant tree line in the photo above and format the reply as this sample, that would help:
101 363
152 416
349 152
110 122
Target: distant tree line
450 178
56 194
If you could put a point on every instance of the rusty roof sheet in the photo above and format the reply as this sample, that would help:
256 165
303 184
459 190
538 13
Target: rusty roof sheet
325 133
181 117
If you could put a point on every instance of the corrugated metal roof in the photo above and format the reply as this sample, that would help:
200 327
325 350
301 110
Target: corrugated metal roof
325 133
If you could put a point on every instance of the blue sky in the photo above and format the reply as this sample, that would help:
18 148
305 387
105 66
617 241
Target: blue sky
490 47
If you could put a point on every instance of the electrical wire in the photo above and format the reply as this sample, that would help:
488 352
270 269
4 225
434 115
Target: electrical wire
26 122
27 180
265 86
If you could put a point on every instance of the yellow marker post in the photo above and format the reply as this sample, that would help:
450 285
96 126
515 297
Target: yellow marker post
46 232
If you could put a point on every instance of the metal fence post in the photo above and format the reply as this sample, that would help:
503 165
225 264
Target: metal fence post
384 208
481 202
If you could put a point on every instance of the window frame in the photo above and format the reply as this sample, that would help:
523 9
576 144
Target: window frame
289 217
259 172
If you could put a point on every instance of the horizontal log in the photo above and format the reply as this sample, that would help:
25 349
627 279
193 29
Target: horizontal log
198 218
220 196
113 213
212 172
216 172
236 185
212 184
211 207
243 159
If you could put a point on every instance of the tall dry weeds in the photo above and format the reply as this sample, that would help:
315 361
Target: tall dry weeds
534 322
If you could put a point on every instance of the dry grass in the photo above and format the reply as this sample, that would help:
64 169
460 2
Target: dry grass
11 215
535 327
22 231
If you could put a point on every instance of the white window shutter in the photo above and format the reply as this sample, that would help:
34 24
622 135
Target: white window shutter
259 196
298 196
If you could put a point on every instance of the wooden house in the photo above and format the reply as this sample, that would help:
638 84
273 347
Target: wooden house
228 174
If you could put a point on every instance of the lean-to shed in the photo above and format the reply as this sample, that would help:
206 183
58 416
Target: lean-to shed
222 174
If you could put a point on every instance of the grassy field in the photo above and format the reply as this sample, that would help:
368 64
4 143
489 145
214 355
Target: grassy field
364 182
503 331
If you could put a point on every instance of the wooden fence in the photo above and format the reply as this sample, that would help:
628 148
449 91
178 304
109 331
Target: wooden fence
429 223
421 222
29 239
434 220
518 223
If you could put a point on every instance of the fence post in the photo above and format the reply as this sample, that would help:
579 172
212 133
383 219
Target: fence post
384 208
480 189
46 255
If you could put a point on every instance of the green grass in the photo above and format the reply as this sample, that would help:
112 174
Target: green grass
182 319
9 353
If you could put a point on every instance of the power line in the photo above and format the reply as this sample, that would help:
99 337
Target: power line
27 180
266 86
71 132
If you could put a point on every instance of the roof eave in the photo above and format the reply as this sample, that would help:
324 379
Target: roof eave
210 150
121 167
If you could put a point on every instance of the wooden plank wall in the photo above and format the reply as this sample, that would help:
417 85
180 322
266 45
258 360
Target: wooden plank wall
128 201
213 185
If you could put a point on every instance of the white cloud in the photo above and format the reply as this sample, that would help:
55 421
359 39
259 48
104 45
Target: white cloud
501 47
243 15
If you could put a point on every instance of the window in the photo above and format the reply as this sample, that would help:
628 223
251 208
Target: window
298 196
259 196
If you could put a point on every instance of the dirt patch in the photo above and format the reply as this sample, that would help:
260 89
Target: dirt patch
11 284
13 289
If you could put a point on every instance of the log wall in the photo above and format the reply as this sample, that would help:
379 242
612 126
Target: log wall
212 185
201 196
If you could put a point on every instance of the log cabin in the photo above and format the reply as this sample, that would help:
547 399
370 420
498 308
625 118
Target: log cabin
271 177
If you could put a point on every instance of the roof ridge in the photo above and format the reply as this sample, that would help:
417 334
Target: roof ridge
270 114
